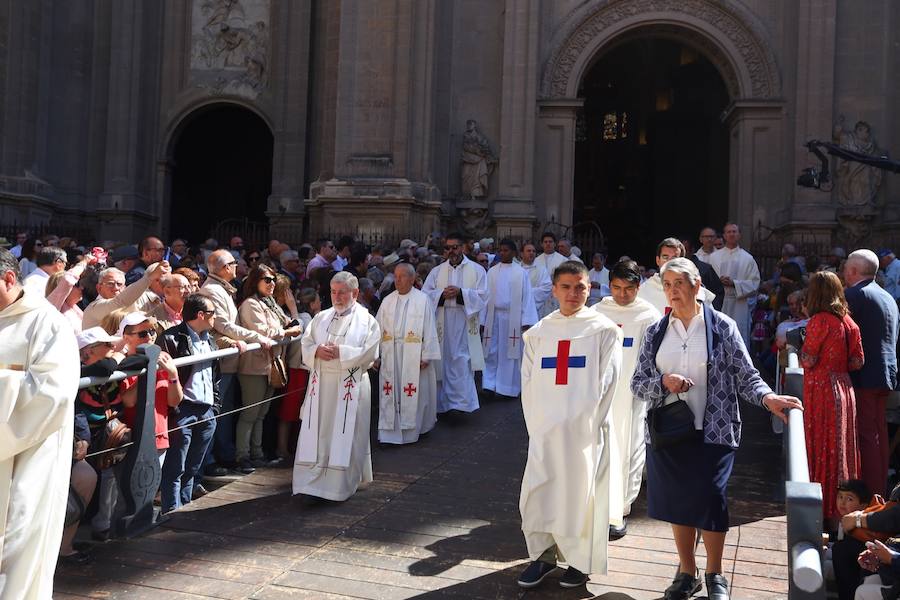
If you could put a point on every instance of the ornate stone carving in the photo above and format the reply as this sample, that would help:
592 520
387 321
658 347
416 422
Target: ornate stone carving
478 160
229 46
857 184
474 218
732 20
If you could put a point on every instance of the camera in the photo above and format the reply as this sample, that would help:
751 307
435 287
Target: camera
796 337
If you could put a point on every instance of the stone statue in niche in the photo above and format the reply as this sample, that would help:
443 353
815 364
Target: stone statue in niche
857 183
478 161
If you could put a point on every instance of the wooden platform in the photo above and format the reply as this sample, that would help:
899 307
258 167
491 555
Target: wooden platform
441 520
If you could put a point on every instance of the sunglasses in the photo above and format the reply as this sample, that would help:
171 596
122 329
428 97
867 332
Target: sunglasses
145 334
267 279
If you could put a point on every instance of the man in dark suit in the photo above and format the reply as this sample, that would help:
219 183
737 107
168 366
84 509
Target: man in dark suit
708 276
875 311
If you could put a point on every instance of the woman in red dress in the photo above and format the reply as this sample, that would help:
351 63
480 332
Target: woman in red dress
833 347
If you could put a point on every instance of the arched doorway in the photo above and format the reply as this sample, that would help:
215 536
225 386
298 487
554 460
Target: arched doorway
651 150
221 169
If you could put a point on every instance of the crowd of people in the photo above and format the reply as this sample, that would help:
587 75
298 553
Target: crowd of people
644 367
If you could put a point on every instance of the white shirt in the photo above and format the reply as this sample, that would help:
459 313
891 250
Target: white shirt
683 352
37 282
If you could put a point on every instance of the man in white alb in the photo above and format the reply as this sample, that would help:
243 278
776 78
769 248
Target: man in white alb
407 386
599 275
570 370
457 288
549 260
339 345
509 311
629 414
537 276
739 273
708 237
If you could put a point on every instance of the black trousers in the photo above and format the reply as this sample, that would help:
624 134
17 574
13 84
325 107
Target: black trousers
846 570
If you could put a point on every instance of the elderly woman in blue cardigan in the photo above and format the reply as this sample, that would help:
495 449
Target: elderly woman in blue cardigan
696 354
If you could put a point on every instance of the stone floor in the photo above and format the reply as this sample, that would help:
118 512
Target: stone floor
441 520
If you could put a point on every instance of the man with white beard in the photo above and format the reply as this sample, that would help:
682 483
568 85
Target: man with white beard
629 414
537 276
457 288
570 370
510 311
549 259
739 274
338 346
652 289
407 384
38 383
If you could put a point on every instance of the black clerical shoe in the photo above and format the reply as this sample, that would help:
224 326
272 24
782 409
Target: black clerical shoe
683 587
535 573
617 533
573 578
716 586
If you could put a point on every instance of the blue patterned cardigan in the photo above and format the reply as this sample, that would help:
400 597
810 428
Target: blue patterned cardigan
730 375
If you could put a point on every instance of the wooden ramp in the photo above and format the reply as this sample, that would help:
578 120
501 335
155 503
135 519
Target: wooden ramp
441 520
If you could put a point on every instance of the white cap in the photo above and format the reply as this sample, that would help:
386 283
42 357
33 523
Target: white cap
95 335
391 259
135 318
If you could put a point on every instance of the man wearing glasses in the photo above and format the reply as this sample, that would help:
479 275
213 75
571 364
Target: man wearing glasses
323 259
113 293
49 260
176 289
150 250
707 244
457 287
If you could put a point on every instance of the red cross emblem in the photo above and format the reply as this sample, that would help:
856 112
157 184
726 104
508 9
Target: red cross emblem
562 362
410 389
388 388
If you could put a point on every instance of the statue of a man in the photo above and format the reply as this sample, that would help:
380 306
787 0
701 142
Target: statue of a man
478 162
857 183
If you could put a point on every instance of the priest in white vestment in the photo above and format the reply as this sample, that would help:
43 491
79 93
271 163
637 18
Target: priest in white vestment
708 237
633 315
652 289
739 273
339 345
457 287
570 370
537 276
599 276
406 381
509 311
39 372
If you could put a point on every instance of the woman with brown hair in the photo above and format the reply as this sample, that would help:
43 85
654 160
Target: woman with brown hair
832 348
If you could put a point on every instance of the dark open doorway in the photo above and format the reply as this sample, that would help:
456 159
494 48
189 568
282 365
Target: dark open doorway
651 152
222 170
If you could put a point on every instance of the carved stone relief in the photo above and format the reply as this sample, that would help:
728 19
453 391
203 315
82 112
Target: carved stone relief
230 46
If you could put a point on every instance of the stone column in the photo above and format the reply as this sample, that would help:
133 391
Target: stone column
555 153
514 207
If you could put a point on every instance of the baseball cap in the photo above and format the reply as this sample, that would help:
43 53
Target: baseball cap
95 335
124 253
885 252
391 259
404 244
134 318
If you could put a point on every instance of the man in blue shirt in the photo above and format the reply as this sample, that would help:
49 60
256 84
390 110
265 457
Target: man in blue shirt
890 266
196 413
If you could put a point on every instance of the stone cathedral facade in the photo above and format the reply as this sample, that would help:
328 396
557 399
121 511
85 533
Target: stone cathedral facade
504 116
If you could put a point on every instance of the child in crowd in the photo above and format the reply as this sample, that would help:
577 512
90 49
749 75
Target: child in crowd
852 495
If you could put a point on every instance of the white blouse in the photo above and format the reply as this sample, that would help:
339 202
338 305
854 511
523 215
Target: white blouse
683 352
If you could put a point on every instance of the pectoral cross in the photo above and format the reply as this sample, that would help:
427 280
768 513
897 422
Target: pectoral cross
684 346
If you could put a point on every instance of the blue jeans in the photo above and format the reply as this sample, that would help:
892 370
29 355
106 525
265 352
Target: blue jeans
222 449
187 447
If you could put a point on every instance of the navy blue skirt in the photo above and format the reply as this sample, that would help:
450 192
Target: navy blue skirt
686 484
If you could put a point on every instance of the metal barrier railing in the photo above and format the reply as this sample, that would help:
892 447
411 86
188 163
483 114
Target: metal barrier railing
803 499
139 473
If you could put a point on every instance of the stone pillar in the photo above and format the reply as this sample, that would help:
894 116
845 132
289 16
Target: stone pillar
555 153
514 207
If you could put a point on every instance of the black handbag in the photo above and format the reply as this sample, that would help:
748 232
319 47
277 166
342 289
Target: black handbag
671 424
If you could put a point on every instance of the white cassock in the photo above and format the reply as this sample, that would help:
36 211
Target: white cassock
39 373
549 262
510 306
407 393
570 370
629 414
738 264
601 278
333 455
541 286
651 290
457 329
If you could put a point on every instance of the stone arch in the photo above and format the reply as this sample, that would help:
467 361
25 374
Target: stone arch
726 33
183 115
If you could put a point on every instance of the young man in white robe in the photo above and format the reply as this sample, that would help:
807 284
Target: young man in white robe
570 370
339 345
39 372
633 315
509 312
549 259
652 289
457 288
406 381
537 276
739 273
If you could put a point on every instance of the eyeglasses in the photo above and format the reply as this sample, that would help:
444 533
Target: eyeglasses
267 279
208 312
113 284
41 244
231 264
145 334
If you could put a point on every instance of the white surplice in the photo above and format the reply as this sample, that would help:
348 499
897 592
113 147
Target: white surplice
703 254
629 414
738 264
333 455
407 393
601 278
541 286
457 329
652 291
38 383
549 262
570 370
510 306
